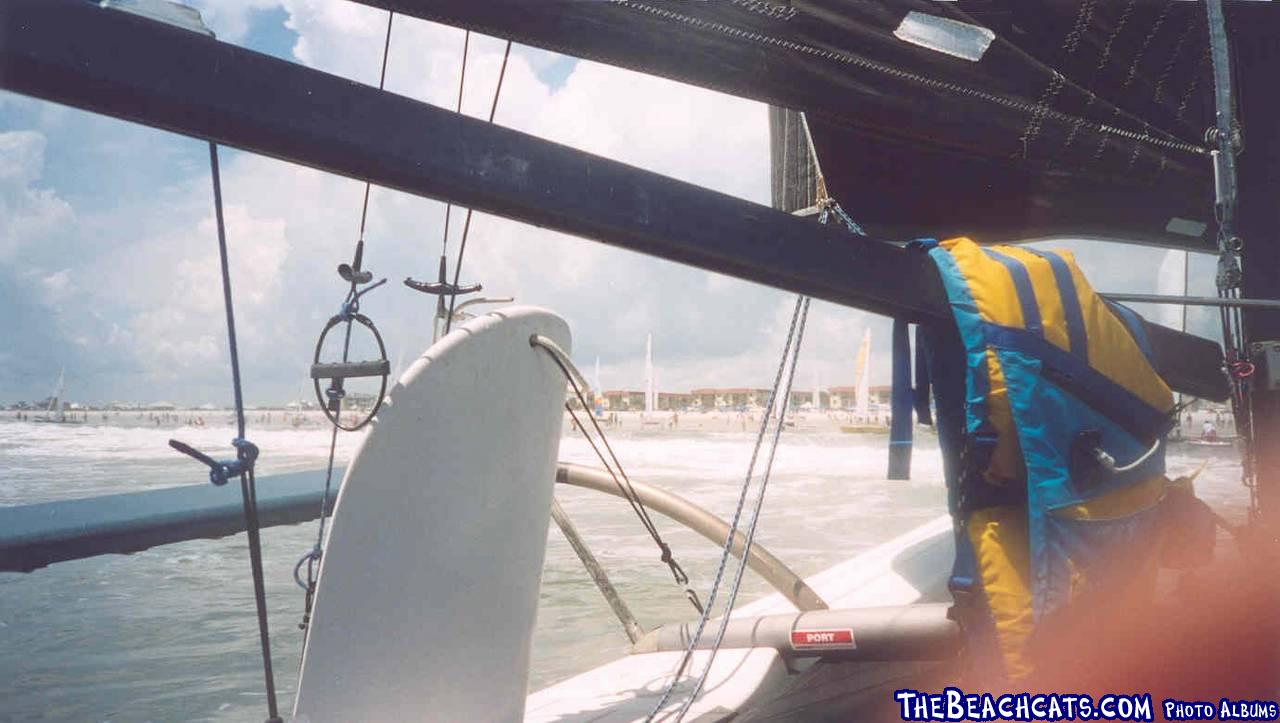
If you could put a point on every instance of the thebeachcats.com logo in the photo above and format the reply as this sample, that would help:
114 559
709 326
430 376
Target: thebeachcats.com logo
1225 709
953 704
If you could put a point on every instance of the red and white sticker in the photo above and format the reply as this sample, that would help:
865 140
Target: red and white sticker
824 639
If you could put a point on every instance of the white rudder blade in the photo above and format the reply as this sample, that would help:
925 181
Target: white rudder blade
429 583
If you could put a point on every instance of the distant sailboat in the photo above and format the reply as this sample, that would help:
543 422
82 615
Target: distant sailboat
650 386
862 380
817 390
597 398
1173 279
862 390
650 396
56 413
298 419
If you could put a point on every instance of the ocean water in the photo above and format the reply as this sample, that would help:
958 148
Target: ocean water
170 633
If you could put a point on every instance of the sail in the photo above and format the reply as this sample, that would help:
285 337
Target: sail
1004 119
57 407
1171 280
650 396
817 391
597 396
862 380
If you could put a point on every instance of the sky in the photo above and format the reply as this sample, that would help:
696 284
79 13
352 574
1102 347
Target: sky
108 256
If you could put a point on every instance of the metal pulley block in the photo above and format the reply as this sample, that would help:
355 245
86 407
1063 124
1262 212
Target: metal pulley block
1266 364
441 287
337 372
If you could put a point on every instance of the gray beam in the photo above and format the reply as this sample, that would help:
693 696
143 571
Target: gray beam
116 64
920 631
33 536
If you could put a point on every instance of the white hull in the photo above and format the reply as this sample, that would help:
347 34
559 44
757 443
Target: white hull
911 568
431 572
430 577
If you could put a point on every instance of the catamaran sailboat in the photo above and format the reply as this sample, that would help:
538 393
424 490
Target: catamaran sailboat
650 416
862 421
56 412
1004 120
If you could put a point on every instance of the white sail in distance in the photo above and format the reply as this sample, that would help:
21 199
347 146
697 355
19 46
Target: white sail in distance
862 380
57 408
817 390
650 396
1171 280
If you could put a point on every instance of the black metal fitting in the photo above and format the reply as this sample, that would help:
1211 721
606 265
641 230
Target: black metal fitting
222 470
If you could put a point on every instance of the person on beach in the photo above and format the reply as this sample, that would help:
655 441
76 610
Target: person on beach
1209 433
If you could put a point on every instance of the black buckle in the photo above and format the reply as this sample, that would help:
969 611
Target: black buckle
441 287
222 470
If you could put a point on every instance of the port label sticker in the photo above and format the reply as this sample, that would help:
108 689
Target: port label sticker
823 639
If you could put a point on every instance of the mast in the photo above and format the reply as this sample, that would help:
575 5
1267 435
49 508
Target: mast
817 391
1257 222
650 397
55 404
1173 280
861 380
597 395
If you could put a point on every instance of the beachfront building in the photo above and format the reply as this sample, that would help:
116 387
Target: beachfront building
675 401
621 400
361 401
847 397
804 398
706 398
731 397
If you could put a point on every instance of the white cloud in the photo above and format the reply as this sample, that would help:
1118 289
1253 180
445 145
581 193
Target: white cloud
230 19
610 296
160 307
182 324
56 286
155 297
28 214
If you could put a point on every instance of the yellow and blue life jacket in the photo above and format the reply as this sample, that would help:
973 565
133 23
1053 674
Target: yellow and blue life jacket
1051 418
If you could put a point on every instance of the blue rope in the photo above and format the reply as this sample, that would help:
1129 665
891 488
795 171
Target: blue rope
348 313
246 453
226 289
900 420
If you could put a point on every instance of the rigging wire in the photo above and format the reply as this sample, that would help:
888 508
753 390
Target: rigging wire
462 81
312 558
755 518
1166 140
242 466
620 478
382 81
799 317
248 485
466 224
1225 134
794 333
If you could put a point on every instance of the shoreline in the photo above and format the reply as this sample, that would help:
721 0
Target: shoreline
840 422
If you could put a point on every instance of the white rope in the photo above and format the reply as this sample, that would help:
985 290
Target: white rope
795 332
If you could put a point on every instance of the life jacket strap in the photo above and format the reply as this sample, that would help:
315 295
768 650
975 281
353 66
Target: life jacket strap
924 381
908 398
900 424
